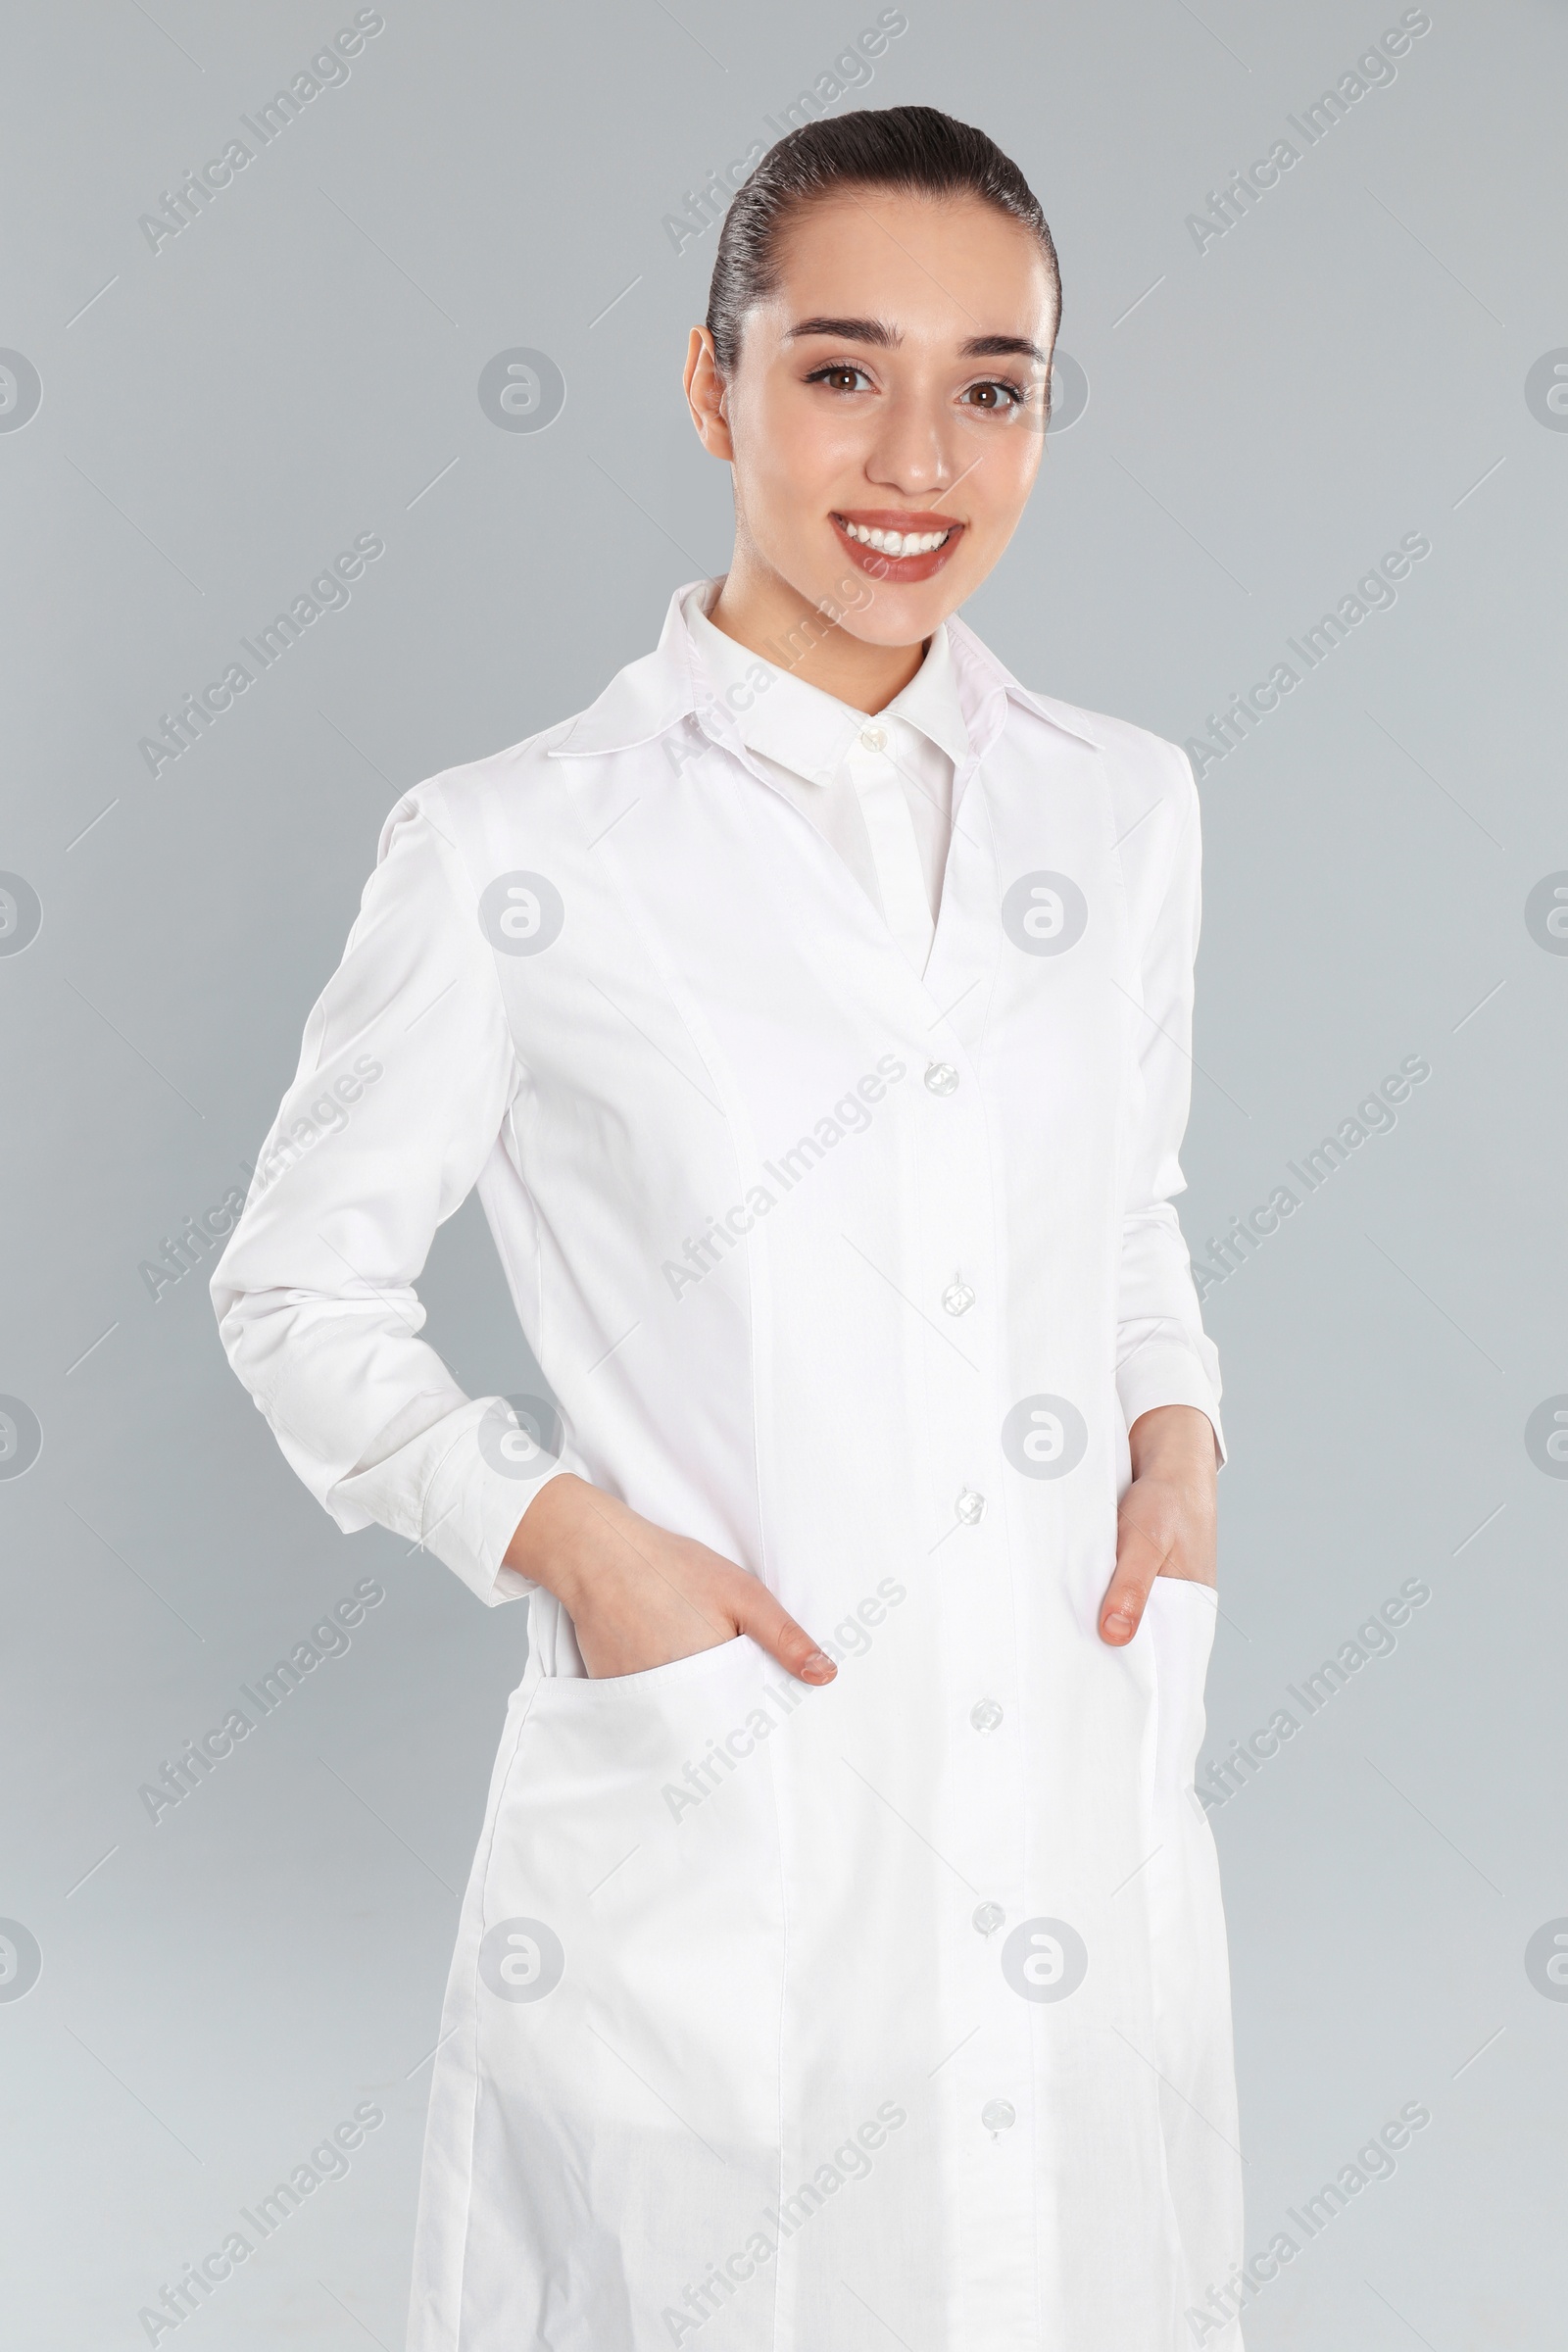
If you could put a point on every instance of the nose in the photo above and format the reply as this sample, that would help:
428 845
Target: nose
914 453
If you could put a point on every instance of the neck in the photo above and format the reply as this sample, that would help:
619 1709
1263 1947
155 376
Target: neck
764 613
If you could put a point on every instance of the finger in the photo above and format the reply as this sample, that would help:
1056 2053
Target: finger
774 1630
1139 1560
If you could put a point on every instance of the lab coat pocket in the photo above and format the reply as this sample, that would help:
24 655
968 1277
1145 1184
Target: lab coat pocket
630 1981
1180 1616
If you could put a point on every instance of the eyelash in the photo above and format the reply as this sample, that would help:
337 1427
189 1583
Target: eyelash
1017 394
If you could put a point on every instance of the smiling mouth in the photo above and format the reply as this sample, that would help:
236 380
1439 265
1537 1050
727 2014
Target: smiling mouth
896 543
898 547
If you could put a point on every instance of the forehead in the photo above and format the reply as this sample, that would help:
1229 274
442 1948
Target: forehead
946 267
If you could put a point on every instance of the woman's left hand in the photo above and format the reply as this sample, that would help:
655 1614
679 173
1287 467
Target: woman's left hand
1165 1526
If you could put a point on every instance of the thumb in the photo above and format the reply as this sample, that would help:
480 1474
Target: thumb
774 1630
1139 1560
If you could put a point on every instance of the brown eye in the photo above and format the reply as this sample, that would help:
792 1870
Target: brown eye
840 375
995 397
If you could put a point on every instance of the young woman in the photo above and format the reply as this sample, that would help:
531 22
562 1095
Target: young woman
842 1960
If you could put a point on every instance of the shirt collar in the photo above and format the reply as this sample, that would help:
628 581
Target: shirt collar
800 726
653 695
774 712
931 699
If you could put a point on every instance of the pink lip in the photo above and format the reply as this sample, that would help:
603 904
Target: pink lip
898 570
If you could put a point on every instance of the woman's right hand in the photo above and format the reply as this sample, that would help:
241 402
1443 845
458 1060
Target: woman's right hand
638 1595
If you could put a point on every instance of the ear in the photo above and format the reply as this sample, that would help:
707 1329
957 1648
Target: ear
704 395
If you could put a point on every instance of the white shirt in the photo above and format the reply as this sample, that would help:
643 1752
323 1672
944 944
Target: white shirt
879 788
771 2005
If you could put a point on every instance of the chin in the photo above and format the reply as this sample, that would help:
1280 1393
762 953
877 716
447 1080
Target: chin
869 604
905 620
902 615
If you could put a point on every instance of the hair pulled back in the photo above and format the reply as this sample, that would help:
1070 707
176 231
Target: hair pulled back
914 148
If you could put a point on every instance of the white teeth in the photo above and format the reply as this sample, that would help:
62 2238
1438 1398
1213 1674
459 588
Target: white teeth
898 543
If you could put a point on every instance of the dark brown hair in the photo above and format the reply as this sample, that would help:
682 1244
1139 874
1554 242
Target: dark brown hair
910 147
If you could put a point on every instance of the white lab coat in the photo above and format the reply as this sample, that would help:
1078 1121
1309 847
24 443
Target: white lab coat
786 2019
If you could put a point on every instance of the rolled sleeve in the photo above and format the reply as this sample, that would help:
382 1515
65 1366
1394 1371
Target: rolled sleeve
405 1080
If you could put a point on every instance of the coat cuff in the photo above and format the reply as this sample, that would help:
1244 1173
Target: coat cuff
1167 1370
485 1477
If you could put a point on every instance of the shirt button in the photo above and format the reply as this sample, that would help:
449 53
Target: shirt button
970 1507
941 1077
872 739
988 1918
985 1715
958 1297
999 2115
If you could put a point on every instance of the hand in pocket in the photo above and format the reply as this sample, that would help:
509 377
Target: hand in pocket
1165 1526
639 1597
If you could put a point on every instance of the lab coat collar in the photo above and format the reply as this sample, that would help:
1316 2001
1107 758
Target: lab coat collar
781 717
931 700
655 694
784 718
985 681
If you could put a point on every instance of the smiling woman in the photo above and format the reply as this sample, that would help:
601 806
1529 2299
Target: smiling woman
819 848
836 399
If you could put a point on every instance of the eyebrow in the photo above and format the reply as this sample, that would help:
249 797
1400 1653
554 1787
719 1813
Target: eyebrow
887 338
1005 347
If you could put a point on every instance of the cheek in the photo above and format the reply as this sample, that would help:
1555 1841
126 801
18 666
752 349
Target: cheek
992 497
802 450
1007 473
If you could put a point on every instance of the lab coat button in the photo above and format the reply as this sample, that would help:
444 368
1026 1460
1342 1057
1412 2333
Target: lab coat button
941 1077
970 1507
872 739
999 2115
985 1715
958 1297
988 1918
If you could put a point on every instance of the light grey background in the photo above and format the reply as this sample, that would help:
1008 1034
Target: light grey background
1266 417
